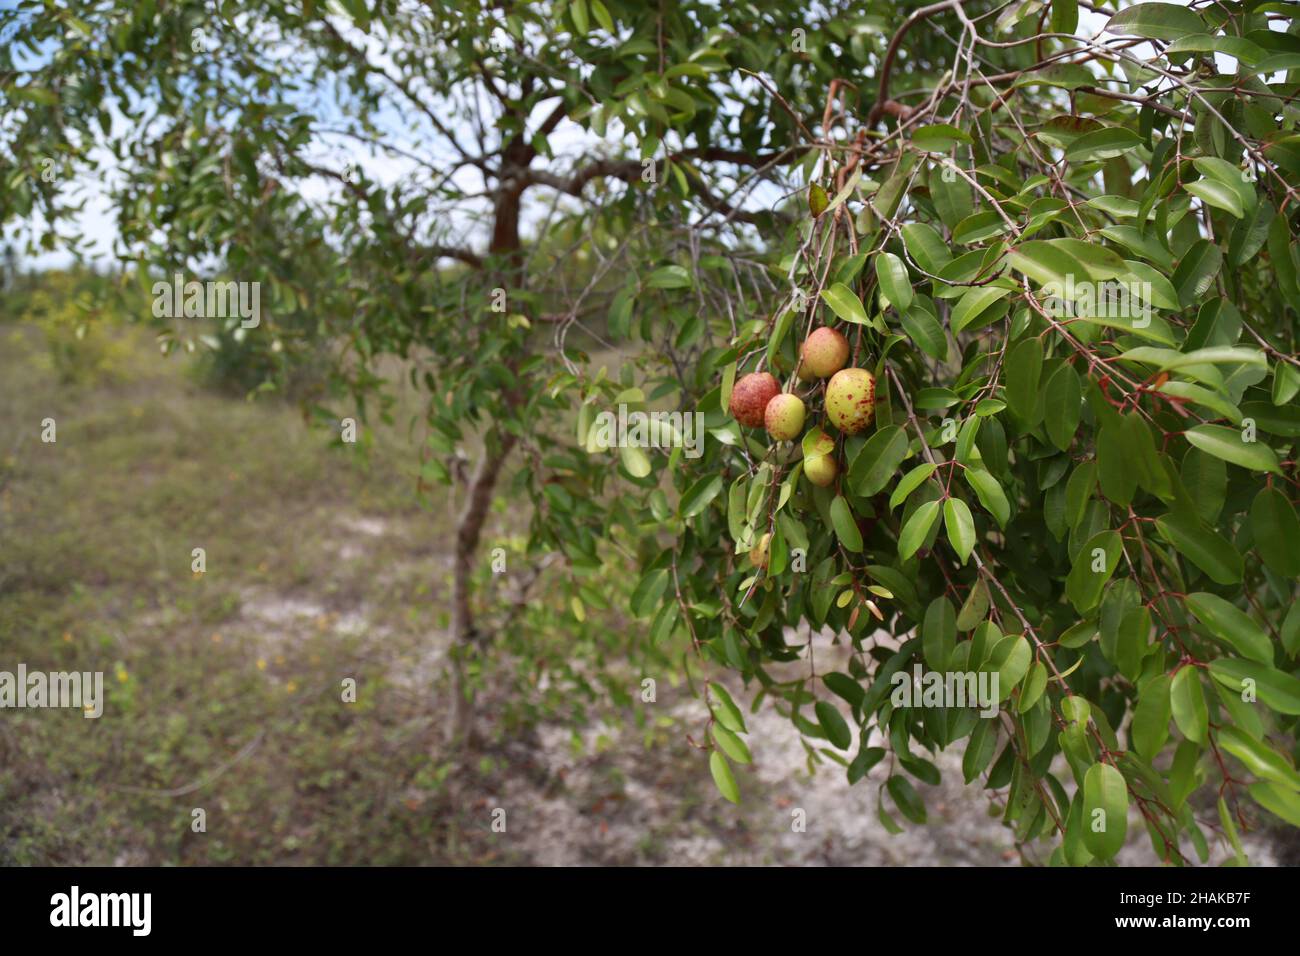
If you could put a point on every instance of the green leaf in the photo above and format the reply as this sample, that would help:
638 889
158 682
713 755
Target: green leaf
1023 370
973 304
923 327
878 461
917 527
990 494
1275 688
938 633
601 13
1206 479
1187 700
846 528
960 526
670 277
909 483
1217 195
1260 759
728 383
833 723
906 798
845 303
721 771
1291 631
1169 359
648 592
1227 443
978 227
1200 544
842 685
779 332
1230 624
1228 175
1065 16
1063 403
1283 421
1092 568
636 461
725 710
736 512
926 246
1105 810
1010 658
1032 690
1196 271
1047 263
975 607
892 275
578 10
1106 143
699 495
939 138
1277 532
730 744
1277 800
1286 383
1239 47
1150 728
1116 468
979 752
1155 21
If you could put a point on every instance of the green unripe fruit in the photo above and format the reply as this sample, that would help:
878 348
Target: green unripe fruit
784 417
851 400
824 353
750 396
820 470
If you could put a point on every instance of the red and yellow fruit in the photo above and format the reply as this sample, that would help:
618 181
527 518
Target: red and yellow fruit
784 417
824 353
750 396
851 400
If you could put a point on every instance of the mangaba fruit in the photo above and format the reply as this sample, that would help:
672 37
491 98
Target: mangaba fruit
784 417
820 470
824 353
851 400
750 396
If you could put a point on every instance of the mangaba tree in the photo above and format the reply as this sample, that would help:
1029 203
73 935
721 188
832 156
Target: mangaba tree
1042 257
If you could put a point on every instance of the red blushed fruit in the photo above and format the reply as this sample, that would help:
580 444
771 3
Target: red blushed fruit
851 400
750 396
824 353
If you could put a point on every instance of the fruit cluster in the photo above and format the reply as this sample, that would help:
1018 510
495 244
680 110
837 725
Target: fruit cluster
757 399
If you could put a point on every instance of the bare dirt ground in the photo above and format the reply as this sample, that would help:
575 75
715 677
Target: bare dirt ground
624 805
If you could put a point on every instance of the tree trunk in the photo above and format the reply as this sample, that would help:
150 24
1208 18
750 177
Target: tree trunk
505 249
469 529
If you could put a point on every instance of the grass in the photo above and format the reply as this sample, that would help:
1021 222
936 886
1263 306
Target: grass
224 688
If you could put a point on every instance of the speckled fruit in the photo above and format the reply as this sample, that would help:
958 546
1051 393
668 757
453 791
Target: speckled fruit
824 353
784 417
851 400
758 553
750 396
820 470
